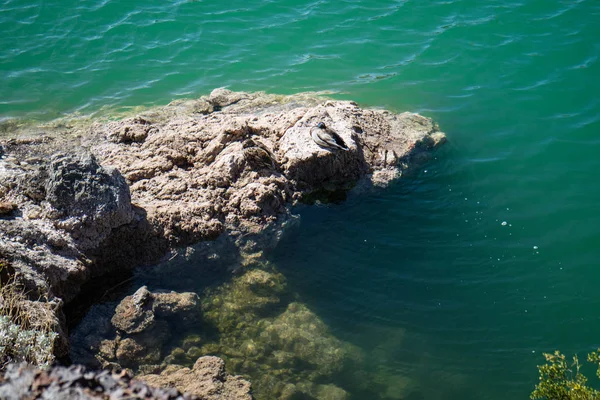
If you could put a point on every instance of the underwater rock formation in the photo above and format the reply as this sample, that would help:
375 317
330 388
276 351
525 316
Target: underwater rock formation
253 322
278 342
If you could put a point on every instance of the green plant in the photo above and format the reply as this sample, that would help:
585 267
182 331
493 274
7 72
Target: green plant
561 380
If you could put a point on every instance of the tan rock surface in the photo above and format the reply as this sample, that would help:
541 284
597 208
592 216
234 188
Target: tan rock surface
207 379
237 169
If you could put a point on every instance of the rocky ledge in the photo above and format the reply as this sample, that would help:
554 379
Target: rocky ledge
84 198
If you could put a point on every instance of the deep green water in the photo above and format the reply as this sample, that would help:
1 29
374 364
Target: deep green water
425 272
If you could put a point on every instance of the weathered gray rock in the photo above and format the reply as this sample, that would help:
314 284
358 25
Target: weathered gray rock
67 205
90 200
135 313
138 312
77 383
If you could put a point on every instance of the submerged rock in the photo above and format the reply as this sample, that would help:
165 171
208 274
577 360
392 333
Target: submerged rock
282 346
134 333
238 304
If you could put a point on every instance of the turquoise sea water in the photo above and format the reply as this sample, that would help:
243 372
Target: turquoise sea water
458 277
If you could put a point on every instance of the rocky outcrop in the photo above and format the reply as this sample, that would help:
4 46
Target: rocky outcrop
237 170
207 381
63 207
229 163
82 198
67 206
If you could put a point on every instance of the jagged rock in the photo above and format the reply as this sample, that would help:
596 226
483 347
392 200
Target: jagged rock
139 312
77 383
136 332
90 200
194 176
69 204
135 313
238 170
207 379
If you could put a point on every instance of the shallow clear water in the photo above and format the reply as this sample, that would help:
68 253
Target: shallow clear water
425 272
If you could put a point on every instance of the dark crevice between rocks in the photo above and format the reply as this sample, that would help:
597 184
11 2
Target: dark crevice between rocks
131 246
106 288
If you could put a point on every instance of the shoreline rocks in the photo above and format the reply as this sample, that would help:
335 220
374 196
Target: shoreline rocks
82 199
208 378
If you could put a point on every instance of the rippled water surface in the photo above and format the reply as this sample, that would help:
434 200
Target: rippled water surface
458 277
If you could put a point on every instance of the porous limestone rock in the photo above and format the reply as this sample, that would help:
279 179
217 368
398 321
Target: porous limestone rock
238 168
112 194
68 204
207 378
88 200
